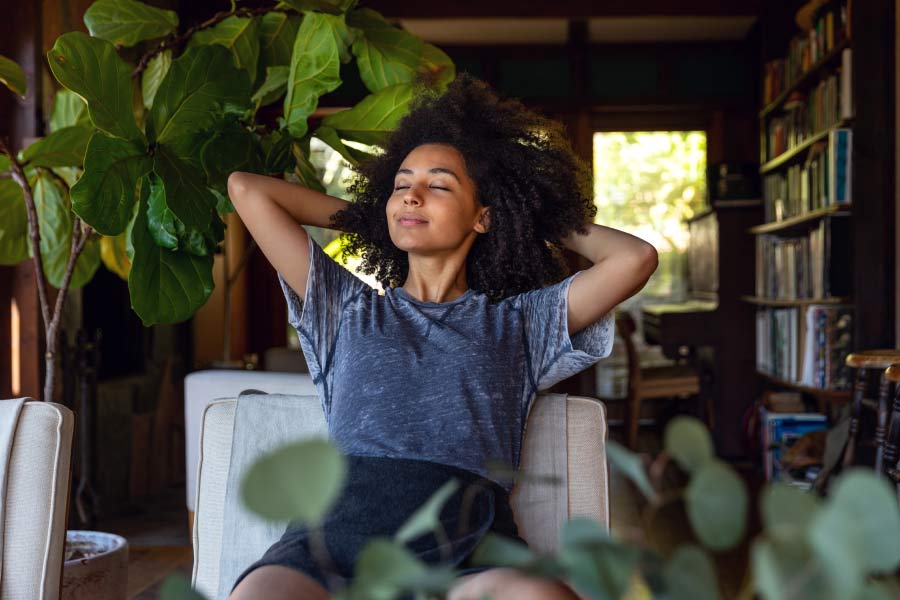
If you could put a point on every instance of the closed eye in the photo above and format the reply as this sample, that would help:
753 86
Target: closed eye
403 187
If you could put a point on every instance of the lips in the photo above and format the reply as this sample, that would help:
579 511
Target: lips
411 219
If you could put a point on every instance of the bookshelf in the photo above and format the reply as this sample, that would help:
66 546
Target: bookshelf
804 301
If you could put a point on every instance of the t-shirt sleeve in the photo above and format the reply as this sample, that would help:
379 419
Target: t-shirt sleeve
554 355
317 316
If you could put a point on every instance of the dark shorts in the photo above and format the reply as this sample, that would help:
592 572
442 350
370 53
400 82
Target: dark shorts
380 494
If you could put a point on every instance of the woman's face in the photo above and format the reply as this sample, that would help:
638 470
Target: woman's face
433 207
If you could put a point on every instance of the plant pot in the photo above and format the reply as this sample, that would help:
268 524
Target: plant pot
99 568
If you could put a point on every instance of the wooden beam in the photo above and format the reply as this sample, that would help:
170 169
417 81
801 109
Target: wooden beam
564 8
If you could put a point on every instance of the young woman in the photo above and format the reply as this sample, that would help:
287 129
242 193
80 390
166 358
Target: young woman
460 219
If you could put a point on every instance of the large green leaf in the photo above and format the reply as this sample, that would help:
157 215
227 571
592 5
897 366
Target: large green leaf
688 441
229 148
55 223
277 31
169 232
240 35
113 254
186 193
331 137
127 22
299 481
13 224
166 286
322 44
276 148
328 6
190 99
716 502
104 196
153 76
273 87
91 68
786 510
387 55
12 76
304 169
68 109
63 148
373 119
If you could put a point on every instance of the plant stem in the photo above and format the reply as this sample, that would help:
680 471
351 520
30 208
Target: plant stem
176 40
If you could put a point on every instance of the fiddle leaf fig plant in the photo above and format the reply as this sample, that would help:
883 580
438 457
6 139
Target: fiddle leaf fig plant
134 167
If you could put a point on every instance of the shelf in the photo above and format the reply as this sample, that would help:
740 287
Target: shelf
800 220
801 147
800 302
811 75
834 395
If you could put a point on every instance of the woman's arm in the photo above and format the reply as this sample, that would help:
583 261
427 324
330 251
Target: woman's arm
273 210
623 264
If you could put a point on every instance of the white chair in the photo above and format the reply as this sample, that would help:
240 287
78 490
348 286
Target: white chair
35 506
565 437
203 387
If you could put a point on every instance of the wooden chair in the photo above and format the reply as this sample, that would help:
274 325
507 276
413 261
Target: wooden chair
652 382
892 439
864 361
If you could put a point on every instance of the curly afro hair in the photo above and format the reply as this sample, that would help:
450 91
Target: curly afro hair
525 171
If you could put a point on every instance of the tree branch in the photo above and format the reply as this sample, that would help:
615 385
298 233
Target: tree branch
34 233
176 40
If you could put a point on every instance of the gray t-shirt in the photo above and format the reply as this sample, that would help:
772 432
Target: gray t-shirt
450 382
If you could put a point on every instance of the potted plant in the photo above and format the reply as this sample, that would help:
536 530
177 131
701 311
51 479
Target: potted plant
845 546
133 170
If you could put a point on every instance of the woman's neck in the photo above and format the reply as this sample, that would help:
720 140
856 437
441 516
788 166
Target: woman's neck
436 279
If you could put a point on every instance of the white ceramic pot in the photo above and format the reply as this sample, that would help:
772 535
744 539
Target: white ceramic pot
102 576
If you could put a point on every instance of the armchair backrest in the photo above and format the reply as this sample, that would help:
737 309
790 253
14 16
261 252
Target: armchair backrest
35 506
565 437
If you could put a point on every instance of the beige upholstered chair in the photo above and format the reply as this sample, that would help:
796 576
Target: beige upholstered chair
565 436
37 457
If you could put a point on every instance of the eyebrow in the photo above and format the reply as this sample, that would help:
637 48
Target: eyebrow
434 170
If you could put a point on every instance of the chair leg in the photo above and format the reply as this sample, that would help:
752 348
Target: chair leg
634 418
855 410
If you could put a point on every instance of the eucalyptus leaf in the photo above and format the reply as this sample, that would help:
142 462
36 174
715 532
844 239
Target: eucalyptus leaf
786 569
166 286
191 96
299 481
56 226
688 441
373 119
63 148
691 575
383 569
13 224
240 35
153 76
858 529
68 109
604 571
178 587
91 68
104 195
114 256
322 44
426 519
186 193
127 22
716 502
581 531
631 466
12 76
273 87
787 510
501 551
277 31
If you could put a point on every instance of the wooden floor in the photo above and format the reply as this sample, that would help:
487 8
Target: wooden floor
159 540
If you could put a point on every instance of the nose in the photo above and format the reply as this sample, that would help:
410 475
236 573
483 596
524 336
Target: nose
411 198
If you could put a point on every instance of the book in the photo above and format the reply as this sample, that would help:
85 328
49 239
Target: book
780 431
839 169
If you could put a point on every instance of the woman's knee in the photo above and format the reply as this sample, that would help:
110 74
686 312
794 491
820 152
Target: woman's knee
275 582
509 584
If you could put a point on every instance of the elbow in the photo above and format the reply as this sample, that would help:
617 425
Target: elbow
237 185
648 258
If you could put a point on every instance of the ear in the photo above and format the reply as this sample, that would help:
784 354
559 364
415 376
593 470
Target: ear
484 220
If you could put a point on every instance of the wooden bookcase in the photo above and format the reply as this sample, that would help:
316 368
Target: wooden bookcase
869 216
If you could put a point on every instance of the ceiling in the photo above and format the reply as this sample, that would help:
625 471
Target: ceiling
481 31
